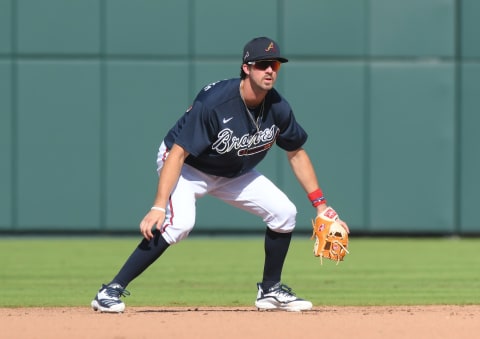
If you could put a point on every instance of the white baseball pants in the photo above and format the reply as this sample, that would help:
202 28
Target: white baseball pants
252 192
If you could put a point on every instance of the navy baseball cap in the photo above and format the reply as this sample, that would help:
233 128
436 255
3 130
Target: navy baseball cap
262 48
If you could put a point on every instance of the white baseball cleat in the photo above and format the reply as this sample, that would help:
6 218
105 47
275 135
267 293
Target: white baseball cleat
108 299
280 297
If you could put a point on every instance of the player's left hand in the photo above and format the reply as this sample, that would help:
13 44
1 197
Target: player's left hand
321 208
331 236
344 225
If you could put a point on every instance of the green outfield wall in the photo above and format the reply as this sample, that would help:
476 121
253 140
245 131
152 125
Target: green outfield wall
388 90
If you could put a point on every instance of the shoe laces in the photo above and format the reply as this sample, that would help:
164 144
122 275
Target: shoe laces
116 291
282 289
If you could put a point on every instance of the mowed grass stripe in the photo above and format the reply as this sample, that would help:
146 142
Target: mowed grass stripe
223 271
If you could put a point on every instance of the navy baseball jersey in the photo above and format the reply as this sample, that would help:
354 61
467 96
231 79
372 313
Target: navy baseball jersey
226 139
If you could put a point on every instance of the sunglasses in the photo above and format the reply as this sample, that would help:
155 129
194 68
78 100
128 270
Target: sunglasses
264 64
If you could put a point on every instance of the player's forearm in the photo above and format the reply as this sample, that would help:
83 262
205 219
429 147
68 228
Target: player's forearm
169 175
303 169
305 173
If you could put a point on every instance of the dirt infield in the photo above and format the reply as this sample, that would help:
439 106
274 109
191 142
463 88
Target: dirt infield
205 322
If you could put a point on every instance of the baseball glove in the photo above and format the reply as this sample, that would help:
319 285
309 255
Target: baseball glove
331 239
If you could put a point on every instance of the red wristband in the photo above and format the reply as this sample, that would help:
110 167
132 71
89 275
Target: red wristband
316 197
315 194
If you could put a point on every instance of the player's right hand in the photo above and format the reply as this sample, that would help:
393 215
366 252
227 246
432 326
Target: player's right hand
153 218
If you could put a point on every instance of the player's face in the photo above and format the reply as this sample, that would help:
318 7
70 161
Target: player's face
263 74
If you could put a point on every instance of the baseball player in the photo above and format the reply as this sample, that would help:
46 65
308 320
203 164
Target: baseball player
213 149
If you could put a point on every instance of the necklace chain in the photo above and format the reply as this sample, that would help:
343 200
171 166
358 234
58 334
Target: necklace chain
257 122
259 117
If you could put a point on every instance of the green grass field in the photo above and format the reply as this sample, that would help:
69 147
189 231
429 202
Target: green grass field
223 271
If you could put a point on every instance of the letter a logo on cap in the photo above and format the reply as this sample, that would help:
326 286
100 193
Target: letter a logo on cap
270 47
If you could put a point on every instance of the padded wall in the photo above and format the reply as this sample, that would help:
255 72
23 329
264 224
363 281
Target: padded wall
387 90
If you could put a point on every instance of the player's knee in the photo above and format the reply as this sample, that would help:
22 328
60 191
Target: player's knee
283 221
176 232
